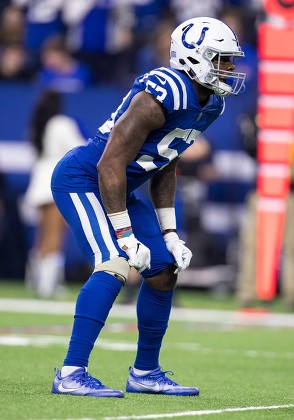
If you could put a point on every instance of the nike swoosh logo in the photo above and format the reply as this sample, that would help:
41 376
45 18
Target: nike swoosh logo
162 81
154 387
62 389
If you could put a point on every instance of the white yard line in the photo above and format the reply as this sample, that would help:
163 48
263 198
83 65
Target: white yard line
200 412
225 318
22 340
36 340
190 413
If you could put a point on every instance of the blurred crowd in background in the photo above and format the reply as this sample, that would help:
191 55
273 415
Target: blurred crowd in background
73 45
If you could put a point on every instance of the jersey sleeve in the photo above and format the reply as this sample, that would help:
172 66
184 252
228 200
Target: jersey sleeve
167 88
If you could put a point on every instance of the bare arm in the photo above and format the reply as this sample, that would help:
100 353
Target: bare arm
163 186
129 133
162 192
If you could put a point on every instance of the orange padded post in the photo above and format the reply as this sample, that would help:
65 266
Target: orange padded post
270 227
275 139
282 8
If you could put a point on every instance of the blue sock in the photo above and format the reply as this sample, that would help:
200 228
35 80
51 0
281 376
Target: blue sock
153 310
92 308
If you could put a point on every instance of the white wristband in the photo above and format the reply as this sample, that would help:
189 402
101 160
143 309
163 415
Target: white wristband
120 220
166 218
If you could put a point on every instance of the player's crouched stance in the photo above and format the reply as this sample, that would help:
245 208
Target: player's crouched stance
93 187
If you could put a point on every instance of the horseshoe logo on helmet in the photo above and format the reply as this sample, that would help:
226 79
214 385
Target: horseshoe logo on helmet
200 40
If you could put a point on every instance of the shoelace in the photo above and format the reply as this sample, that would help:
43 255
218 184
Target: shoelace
86 379
160 377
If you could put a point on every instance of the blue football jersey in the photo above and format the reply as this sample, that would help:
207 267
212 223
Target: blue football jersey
185 120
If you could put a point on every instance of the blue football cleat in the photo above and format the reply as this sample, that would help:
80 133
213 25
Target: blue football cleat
155 382
81 383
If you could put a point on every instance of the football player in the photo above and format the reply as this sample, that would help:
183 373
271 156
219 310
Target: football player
93 187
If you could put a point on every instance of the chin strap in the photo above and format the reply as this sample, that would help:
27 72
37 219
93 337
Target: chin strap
221 92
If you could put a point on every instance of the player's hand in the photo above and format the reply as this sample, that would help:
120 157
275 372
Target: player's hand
139 254
176 247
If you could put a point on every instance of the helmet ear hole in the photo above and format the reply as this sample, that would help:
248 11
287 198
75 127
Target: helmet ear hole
191 73
182 61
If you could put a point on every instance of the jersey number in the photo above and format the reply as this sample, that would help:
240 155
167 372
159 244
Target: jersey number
159 92
188 136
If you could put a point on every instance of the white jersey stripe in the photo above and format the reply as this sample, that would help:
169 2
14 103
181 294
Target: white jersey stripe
103 225
86 227
223 108
185 99
174 87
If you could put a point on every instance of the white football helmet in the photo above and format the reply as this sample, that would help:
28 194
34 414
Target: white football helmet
196 42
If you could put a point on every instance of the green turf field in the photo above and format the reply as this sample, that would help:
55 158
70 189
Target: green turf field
243 370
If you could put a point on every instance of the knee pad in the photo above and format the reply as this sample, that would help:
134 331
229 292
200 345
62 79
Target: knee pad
119 267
